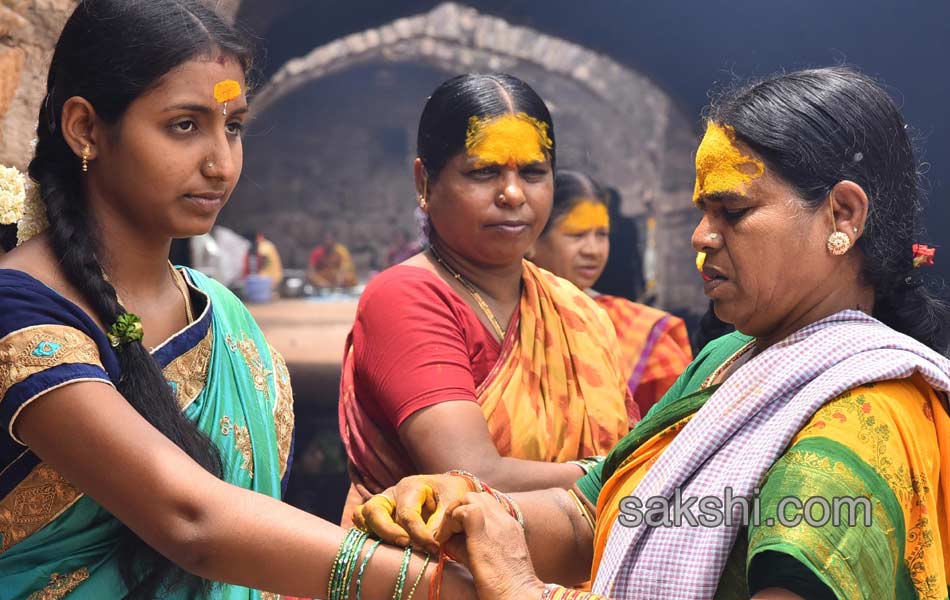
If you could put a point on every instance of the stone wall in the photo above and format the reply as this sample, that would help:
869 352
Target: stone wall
28 32
610 121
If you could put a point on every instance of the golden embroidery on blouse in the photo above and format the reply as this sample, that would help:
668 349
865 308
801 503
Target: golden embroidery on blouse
269 596
41 497
283 410
252 357
242 442
61 585
188 373
32 350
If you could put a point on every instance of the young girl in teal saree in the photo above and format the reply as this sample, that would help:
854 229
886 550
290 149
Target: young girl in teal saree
224 376
145 423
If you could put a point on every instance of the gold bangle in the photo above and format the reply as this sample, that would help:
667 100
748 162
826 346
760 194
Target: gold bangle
583 509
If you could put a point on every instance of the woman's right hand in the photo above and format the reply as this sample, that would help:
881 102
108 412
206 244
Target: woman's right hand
412 511
491 543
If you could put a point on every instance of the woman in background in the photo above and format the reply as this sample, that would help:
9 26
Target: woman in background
575 245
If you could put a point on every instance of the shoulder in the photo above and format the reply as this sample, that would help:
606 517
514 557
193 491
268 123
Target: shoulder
405 283
887 411
405 299
26 302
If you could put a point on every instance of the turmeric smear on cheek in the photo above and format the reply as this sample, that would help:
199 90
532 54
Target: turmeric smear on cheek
508 139
721 166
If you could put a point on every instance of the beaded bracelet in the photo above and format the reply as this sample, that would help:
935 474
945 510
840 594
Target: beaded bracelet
508 503
359 575
341 572
557 592
415 584
474 483
403 572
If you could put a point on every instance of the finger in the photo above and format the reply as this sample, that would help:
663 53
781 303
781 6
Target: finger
378 518
357 515
409 516
455 549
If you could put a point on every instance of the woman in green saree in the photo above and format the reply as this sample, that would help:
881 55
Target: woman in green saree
146 423
827 415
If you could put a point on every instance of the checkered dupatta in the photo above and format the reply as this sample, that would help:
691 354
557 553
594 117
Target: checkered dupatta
743 428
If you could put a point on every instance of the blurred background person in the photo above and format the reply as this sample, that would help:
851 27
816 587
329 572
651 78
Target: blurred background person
263 259
331 265
575 245
402 248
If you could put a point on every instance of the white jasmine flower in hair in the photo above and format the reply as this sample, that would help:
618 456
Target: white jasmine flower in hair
33 222
12 195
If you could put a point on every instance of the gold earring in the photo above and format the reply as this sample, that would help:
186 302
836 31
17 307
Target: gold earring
86 150
423 203
838 242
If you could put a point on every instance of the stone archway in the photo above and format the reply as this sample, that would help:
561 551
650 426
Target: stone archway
610 120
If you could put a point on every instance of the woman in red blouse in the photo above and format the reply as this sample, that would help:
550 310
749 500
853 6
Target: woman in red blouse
465 356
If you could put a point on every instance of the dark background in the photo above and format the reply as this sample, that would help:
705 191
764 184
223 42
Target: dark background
688 47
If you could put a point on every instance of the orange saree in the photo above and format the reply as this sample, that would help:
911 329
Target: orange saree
654 345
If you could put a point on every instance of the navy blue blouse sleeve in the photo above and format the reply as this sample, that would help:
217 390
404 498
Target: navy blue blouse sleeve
46 342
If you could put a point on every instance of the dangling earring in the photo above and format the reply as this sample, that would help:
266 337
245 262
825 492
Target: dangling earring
423 202
838 242
86 150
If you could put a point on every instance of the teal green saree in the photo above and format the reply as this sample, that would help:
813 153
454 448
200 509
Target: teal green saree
54 541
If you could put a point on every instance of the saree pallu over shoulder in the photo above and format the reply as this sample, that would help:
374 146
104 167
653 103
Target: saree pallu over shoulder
558 392
229 382
738 434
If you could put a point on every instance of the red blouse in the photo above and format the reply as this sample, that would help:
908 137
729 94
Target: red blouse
416 343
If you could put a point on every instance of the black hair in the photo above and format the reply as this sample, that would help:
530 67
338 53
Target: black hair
110 53
444 121
817 127
570 187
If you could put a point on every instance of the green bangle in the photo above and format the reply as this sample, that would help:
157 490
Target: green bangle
344 565
415 583
359 575
403 572
351 567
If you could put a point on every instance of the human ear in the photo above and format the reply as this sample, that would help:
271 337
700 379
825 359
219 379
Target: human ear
80 126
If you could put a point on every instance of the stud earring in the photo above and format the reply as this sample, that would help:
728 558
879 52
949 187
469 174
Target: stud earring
86 151
838 242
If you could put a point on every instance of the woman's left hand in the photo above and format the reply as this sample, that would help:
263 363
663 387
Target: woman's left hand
493 548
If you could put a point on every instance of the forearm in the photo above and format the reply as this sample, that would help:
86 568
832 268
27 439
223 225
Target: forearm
298 550
517 475
559 539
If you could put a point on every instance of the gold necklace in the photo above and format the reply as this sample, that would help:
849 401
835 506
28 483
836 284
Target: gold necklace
471 290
